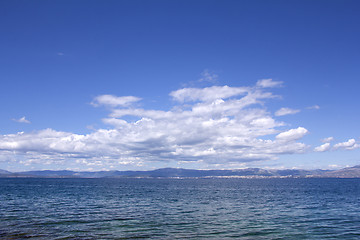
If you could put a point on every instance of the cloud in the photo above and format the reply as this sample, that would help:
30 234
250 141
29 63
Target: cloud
328 139
22 120
207 94
315 107
207 76
286 111
323 148
215 125
268 83
114 101
292 134
349 145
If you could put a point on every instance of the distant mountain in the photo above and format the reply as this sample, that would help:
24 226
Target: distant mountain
353 172
4 172
350 172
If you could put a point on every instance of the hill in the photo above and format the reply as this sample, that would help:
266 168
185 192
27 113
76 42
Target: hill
351 172
4 172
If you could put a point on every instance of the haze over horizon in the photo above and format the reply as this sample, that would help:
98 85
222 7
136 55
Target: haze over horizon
141 85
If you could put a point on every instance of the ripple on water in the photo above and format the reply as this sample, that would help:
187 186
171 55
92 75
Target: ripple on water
179 209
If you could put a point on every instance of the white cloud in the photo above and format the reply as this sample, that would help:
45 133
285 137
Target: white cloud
349 145
322 148
114 101
216 125
207 76
22 120
315 107
286 111
268 83
328 139
207 94
292 134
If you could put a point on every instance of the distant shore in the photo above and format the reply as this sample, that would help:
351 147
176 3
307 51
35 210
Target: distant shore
180 173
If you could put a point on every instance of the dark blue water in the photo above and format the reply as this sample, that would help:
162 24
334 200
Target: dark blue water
180 208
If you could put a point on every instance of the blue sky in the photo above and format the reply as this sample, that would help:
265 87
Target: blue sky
102 85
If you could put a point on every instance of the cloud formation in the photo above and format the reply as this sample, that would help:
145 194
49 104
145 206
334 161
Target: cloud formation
328 139
349 145
114 101
215 125
286 111
315 107
207 94
207 76
268 83
21 120
323 148
292 134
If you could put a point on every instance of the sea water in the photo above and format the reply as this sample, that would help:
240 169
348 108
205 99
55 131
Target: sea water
179 208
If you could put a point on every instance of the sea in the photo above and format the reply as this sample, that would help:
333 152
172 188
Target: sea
290 208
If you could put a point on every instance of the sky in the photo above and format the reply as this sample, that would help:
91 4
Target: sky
92 85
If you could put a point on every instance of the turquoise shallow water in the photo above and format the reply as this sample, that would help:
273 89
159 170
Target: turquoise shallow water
180 208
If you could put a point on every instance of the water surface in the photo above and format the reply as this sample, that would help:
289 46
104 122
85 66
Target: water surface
180 208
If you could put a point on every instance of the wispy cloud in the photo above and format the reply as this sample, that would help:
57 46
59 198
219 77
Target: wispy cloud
315 107
114 101
328 139
21 120
207 94
268 83
286 111
209 77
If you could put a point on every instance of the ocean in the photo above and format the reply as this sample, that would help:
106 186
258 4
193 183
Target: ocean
35 208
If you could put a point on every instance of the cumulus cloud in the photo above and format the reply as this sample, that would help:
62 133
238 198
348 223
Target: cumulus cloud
21 120
286 111
349 145
215 125
323 148
292 134
114 101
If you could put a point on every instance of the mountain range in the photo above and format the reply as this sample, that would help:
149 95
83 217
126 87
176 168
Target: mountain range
350 172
